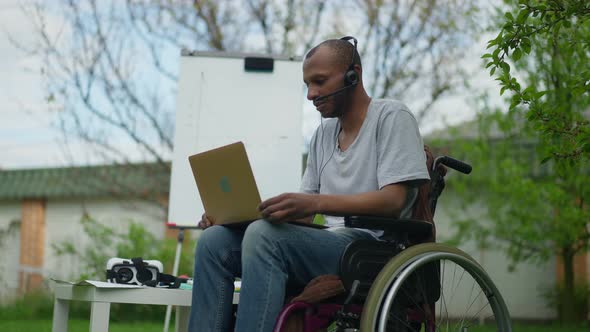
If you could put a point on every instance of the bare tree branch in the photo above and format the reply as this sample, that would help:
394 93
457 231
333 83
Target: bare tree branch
107 66
413 48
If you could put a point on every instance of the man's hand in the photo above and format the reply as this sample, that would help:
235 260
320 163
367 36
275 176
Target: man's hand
206 222
289 207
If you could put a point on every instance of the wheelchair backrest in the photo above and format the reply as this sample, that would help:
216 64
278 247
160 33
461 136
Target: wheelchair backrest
428 194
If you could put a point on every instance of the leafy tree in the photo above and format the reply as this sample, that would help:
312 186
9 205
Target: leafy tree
552 38
538 208
534 213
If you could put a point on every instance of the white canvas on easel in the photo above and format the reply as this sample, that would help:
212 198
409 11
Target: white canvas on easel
220 102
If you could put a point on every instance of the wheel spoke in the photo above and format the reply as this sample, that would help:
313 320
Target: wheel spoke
468 305
480 310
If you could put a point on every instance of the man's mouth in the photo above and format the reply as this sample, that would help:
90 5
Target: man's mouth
318 106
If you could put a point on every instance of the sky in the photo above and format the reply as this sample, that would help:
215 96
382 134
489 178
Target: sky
29 137
25 127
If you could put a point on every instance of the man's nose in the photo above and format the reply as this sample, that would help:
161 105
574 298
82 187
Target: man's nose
312 94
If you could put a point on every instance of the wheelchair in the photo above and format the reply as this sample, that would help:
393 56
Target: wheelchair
405 282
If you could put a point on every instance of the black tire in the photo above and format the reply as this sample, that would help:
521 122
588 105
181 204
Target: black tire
407 280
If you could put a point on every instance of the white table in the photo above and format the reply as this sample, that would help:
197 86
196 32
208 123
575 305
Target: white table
101 299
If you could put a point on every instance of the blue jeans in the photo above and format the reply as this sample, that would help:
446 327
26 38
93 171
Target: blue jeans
266 256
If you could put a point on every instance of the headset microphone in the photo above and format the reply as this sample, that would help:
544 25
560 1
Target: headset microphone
333 93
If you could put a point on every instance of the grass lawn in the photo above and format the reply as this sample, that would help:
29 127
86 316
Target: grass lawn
77 325
534 328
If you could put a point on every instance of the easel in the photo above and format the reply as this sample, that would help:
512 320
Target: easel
179 241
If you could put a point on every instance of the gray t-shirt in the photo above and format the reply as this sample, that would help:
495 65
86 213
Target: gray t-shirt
388 149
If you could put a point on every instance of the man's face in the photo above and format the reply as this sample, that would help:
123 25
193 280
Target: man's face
323 75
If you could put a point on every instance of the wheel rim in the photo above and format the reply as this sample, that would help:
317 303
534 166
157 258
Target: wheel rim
467 294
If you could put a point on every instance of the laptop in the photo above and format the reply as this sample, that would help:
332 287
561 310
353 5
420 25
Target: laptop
227 186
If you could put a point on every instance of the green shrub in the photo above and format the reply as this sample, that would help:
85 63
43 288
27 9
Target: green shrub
103 244
137 241
34 305
38 304
555 297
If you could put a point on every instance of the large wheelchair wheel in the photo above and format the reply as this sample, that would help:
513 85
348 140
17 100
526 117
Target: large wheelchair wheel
433 287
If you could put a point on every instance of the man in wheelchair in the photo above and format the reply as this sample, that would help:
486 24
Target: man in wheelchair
366 158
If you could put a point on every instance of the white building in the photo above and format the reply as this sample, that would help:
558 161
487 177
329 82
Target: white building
42 207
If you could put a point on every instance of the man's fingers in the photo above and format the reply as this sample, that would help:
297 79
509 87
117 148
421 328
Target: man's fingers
282 215
205 222
271 201
210 221
271 209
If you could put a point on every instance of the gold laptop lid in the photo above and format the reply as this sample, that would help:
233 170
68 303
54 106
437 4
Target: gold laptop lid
226 184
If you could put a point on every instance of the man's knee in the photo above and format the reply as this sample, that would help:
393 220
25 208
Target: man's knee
213 240
259 236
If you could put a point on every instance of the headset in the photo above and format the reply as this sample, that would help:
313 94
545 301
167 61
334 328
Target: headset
351 79
136 271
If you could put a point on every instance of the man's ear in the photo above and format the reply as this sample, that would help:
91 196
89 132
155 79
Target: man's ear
359 71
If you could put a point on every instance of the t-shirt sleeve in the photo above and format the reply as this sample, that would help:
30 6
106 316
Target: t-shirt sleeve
400 149
310 181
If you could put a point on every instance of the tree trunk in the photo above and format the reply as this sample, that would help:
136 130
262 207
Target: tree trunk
568 303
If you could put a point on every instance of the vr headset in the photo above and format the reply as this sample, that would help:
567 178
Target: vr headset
136 271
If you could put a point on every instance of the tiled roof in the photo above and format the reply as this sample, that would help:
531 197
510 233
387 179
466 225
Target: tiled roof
146 180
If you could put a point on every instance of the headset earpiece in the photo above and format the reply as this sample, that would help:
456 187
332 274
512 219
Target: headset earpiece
351 78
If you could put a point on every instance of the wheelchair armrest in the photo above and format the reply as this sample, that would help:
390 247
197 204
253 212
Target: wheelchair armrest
412 227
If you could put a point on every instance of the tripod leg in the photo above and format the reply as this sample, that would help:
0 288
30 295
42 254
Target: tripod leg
180 239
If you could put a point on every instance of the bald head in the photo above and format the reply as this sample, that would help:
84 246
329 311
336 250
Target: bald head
341 50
